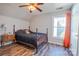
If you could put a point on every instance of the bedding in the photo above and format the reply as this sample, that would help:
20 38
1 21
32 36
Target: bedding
34 38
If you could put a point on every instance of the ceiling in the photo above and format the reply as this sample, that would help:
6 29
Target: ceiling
12 9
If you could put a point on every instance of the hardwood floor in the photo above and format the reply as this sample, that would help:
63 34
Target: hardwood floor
16 50
54 50
23 50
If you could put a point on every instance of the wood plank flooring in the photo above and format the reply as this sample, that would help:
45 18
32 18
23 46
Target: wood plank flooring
57 50
16 50
23 50
54 50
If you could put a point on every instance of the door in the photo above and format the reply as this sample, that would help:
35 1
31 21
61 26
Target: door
74 30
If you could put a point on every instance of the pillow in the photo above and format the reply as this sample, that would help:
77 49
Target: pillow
27 31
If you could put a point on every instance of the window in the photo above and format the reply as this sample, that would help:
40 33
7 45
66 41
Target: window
59 27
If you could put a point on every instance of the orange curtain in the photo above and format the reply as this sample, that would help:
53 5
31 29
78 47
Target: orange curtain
67 30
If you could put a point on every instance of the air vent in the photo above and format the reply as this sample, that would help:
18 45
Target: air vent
59 8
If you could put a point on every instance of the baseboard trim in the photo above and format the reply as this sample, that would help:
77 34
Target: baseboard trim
56 43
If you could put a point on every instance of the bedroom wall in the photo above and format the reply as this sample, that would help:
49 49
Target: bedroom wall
44 21
9 22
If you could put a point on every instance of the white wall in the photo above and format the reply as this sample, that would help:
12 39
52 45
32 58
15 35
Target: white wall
74 28
44 21
9 22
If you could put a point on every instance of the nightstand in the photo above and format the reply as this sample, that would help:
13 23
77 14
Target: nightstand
8 37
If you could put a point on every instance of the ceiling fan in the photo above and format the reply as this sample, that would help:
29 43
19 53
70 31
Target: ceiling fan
33 6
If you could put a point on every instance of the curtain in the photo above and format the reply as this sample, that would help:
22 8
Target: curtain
67 30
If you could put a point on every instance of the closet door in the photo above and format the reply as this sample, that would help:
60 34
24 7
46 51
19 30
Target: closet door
74 30
78 33
76 15
78 41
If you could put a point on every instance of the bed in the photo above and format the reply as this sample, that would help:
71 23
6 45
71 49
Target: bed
36 39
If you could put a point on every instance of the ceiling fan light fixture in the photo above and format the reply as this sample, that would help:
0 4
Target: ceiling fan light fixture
31 8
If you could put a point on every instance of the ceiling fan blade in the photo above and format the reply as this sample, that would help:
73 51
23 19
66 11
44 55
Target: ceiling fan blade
40 3
38 8
23 5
